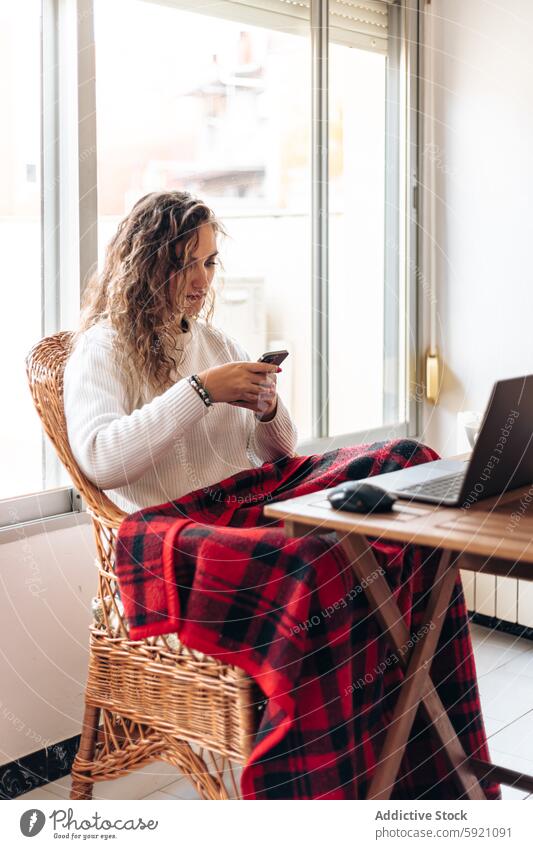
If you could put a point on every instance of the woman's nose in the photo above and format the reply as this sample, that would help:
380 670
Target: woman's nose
200 278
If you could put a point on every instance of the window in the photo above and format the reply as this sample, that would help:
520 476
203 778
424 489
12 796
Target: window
20 243
222 99
221 108
215 107
357 238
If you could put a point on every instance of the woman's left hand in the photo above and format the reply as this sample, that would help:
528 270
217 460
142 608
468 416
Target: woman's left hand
267 400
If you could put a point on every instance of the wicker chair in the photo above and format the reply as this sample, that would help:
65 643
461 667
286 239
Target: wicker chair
150 699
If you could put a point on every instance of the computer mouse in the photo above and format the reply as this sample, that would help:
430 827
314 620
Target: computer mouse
357 497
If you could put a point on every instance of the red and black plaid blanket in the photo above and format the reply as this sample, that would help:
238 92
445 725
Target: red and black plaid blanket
211 567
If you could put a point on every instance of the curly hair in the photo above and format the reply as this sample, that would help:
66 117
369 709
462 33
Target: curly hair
133 291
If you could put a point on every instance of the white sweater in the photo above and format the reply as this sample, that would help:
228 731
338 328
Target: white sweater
148 450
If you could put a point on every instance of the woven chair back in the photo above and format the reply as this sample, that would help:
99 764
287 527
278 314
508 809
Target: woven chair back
45 366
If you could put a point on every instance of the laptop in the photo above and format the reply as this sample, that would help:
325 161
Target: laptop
501 460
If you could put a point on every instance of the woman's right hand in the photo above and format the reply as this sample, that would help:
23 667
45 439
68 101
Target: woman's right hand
240 381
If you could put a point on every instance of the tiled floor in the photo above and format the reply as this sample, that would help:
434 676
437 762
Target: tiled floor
505 675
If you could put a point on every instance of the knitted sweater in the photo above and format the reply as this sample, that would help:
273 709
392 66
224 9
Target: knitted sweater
147 450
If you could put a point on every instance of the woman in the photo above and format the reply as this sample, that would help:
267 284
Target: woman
158 402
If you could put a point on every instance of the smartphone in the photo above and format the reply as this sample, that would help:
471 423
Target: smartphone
273 357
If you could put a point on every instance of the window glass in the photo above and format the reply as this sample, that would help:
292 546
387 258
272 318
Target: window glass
222 110
21 440
357 236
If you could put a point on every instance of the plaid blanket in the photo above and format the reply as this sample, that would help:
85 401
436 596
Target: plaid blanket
288 611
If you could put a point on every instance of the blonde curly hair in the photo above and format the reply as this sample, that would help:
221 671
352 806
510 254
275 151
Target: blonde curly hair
133 291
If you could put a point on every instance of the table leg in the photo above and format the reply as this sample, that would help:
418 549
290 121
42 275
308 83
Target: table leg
299 529
417 688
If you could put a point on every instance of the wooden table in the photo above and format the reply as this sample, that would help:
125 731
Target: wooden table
484 538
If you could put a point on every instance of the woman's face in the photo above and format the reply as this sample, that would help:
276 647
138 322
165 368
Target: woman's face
199 271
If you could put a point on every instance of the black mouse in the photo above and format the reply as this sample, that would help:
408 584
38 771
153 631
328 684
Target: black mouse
357 497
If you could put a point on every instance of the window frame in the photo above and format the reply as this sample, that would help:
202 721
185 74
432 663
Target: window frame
403 69
69 222
402 308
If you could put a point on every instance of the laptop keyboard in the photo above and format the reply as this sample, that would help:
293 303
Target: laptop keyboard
448 486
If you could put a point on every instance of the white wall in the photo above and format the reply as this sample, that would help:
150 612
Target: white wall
47 582
484 231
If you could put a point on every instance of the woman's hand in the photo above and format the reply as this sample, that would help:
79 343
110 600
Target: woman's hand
243 384
267 401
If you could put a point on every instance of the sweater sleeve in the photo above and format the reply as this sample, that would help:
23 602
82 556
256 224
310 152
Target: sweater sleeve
276 438
112 446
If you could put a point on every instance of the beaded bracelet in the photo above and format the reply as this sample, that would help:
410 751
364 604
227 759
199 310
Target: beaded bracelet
197 384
